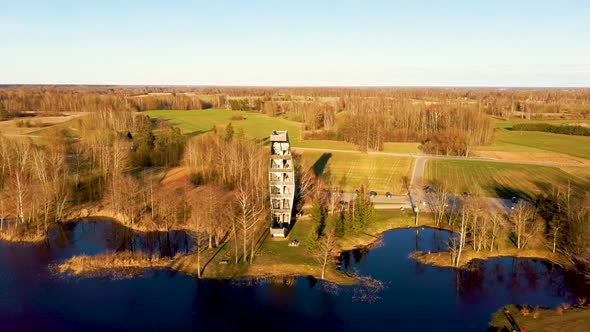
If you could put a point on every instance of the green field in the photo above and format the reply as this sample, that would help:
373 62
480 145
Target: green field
503 179
380 173
255 125
531 141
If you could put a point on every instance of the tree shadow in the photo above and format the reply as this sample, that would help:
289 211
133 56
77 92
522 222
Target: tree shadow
544 186
513 325
197 133
320 165
509 192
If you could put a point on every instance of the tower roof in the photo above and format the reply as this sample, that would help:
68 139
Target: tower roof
279 136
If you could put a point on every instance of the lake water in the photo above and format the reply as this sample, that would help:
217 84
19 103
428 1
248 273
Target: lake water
416 297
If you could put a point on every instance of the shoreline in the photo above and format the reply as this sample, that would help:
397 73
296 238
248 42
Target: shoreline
443 259
87 213
366 239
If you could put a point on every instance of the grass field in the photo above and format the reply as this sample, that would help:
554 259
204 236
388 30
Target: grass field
254 125
508 140
401 147
572 319
502 179
380 173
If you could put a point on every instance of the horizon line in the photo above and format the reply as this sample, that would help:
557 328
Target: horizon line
4 85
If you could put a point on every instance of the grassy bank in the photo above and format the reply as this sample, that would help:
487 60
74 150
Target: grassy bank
11 234
276 259
117 263
563 318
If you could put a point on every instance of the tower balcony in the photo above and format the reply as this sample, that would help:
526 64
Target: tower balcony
282 182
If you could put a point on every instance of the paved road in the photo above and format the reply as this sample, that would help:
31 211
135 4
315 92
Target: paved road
381 201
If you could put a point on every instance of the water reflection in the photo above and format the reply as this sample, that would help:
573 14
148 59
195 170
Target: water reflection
92 237
417 297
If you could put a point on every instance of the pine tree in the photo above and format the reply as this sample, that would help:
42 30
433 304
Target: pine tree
229 132
318 219
340 227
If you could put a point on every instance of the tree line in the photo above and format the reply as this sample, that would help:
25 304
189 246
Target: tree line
559 221
549 128
30 101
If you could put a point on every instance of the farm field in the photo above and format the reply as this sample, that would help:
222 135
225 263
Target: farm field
350 170
254 125
502 179
36 125
528 143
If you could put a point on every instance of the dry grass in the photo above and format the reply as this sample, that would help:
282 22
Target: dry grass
14 235
98 212
101 264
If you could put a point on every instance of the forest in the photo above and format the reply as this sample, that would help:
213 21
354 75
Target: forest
447 121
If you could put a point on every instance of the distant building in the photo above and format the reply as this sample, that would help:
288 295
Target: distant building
282 183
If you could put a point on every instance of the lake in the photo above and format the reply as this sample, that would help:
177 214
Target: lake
415 297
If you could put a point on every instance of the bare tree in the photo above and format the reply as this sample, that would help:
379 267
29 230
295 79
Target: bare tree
324 252
248 218
495 220
462 237
523 217
438 200
196 225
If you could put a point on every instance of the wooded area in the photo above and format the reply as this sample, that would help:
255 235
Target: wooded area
112 160
448 121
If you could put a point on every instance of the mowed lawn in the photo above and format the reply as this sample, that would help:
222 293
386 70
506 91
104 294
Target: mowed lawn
254 125
533 141
351 170
503 179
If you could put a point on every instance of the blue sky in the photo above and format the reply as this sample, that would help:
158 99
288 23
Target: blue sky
294 43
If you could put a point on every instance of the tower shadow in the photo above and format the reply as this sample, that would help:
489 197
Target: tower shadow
320 165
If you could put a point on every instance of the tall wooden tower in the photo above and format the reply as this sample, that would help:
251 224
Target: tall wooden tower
282 183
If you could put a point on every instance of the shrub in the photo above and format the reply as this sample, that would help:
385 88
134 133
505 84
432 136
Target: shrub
198 179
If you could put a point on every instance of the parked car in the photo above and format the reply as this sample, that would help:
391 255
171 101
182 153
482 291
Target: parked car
373 194
428 189
388 194
514 200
